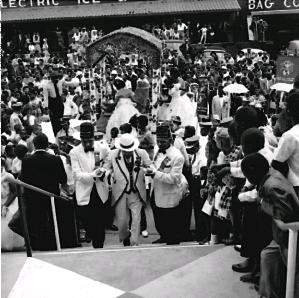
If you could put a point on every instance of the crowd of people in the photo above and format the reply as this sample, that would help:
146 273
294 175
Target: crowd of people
122 137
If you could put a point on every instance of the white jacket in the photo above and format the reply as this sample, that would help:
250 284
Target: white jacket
83 165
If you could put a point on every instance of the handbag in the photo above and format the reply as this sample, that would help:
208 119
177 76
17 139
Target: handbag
207 207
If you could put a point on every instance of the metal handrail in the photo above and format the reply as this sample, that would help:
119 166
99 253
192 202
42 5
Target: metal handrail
23 214
293 228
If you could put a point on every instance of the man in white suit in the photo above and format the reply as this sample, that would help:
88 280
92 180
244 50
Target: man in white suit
91 193
127 163
167 187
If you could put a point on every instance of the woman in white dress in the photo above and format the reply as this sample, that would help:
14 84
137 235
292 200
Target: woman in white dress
181 106
123 112
9 206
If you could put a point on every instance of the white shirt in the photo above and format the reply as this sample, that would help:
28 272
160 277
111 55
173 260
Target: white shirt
182 27
70 108
288 151
196 163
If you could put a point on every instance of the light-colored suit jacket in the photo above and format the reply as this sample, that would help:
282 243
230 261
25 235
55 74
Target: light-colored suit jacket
167 182
121 180
83 164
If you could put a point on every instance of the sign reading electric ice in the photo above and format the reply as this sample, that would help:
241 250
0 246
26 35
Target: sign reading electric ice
40 3
264 5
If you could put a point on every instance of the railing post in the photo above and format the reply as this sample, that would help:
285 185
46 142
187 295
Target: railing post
55 224
25 226
291 268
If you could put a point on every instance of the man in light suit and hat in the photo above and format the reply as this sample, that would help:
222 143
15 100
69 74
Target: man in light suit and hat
91 192
167 187
128 163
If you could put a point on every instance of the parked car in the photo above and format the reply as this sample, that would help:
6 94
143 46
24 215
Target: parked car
218 50
254 51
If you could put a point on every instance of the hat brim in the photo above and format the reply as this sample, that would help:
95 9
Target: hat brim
134 146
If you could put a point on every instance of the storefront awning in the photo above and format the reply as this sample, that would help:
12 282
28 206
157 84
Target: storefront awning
138 8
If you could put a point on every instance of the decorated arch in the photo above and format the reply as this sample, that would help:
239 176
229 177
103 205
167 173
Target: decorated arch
127 40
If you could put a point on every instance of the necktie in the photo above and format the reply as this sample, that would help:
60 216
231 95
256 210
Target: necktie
162 151
56 91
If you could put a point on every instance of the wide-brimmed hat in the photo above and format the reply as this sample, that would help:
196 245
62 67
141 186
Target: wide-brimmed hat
17 105
127 142
86 130
163 131
226 121
191 142
206 123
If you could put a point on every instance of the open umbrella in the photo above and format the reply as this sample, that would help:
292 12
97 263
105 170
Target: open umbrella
282 87
235 88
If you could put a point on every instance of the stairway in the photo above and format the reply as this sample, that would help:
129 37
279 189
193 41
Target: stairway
180 271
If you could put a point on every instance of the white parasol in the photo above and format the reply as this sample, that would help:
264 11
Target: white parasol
235 88
282 87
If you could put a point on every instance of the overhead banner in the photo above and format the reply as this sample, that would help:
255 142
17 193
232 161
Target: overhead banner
287 69
271 5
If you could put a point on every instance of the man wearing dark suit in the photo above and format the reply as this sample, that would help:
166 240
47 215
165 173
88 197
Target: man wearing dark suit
53 92
47 172
278 200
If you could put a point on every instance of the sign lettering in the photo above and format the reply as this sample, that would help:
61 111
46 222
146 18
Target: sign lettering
42 3
267 5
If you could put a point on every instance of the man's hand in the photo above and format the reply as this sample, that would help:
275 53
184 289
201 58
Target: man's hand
217 168
4 211
99 173
150 171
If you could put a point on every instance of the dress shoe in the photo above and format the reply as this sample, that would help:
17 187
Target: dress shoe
230 241
113 228
204 241
160 240
127 241
244 267
172 242
237 247
144 234
97 244
250 277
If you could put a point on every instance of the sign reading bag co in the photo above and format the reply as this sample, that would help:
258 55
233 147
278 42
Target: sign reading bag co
266 5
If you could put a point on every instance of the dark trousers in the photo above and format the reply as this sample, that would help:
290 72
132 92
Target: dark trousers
143 222
167 222
56 123
185 218
256 231
93 217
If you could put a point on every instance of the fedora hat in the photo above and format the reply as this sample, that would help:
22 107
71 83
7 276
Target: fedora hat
86 130
127 142
191 142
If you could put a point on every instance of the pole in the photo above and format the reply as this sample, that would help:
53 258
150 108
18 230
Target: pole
25 226
55 224
291 268
34 188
